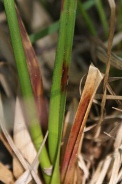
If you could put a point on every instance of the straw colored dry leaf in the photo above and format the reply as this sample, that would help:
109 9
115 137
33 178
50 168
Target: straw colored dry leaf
97 172
117 109
86 129
6 175
81 84
110 134
108 97
10 141
33 167
92 82
112 79
115 168
82 166
104 170
118 140
119 178
22 139
116 40
24 163
108 63
26 176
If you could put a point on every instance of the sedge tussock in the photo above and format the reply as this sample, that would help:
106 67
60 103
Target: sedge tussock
91 142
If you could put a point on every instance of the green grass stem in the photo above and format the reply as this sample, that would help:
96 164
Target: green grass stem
54 27
25 84
102 16
87 19
59 84
88 4
45 32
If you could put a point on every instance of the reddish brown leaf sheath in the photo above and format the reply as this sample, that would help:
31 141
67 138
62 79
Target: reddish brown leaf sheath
35 75
74 132
92 82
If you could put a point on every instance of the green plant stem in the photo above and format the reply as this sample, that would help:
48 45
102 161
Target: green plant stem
59 85
87 19
55 26
45 32
88 4
30 107
102 16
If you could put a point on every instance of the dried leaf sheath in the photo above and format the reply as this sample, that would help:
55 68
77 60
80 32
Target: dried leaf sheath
92 82
35 75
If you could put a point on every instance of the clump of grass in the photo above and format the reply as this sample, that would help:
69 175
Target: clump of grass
84 147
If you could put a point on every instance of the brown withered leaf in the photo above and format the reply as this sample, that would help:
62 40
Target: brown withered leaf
93 80
35 75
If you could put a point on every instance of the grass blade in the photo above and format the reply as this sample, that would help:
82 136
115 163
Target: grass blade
47 31
60 76
87 19
25 84
102 16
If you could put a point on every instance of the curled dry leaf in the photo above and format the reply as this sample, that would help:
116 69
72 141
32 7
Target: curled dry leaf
93 80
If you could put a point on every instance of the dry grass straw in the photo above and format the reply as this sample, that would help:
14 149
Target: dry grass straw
110 40
30 169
